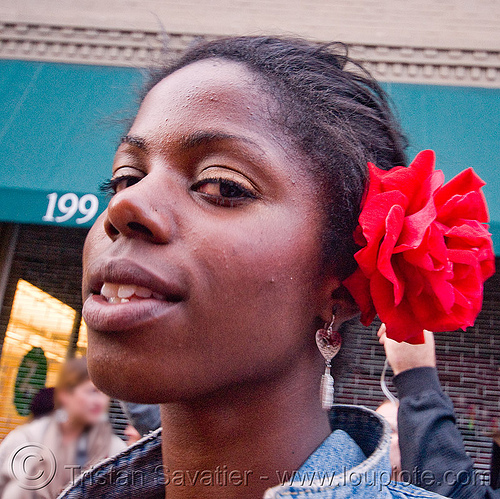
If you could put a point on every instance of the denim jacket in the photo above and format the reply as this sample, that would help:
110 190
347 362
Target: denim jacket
353 462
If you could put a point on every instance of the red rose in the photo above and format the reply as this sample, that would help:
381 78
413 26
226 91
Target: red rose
426 250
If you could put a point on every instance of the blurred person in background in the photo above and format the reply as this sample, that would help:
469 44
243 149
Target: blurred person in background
431 448
42 403
389 410
39 458
144 418
131 434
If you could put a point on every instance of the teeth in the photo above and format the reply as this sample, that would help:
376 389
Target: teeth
109 290
123 293
126 291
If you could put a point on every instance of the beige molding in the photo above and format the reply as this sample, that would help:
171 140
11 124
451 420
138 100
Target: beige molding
40 42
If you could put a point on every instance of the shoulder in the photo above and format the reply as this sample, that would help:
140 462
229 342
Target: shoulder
14 438
116 445
28 432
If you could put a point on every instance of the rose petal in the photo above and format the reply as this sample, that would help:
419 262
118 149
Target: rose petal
432 253
374 228
393 224
359 286
470 206
400 321
461 185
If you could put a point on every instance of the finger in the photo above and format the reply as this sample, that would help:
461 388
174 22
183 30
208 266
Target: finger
381 330
428 334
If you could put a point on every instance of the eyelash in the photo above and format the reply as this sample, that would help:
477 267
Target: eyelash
225 201
109 188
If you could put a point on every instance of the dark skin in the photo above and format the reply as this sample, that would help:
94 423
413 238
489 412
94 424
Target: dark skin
216 212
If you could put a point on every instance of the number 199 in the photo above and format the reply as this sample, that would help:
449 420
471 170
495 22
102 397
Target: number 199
69 204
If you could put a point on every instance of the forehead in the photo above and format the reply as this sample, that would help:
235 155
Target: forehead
220 98
212 93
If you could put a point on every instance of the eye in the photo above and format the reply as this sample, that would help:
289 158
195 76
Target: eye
117 184
223 191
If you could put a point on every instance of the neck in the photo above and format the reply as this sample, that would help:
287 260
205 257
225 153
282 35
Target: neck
72 429
239 441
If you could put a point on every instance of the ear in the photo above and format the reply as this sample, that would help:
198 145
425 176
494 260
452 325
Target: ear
339 301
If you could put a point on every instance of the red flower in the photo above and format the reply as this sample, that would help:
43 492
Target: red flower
426 250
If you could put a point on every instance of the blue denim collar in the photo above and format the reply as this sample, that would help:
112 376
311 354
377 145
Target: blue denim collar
353 461
354 456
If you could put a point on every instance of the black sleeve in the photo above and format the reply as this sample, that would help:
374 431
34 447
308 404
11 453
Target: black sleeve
495 466
432 450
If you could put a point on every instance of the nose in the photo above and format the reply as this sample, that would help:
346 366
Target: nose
133 214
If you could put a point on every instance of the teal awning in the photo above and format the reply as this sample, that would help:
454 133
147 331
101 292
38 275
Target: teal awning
462 124
60 125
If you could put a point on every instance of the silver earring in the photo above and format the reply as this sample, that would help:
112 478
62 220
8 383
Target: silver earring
329 343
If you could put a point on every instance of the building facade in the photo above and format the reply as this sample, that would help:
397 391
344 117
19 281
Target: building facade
70 73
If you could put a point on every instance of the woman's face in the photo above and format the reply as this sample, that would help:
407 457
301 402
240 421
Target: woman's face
85 403
210 250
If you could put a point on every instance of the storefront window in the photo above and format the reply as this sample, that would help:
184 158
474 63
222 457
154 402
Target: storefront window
46 327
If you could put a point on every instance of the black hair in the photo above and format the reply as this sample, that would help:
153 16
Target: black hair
42 403
331 109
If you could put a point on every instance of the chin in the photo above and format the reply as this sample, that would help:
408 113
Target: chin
128 381
112 379
91 421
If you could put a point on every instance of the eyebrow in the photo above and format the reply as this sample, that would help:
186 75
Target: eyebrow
197 139
133 141
204 138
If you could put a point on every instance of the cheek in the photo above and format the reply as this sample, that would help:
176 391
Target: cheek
253 296
91 405
254 271
262 281
265 252
100 402
77 405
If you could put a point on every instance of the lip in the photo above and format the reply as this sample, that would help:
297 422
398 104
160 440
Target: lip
100 315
